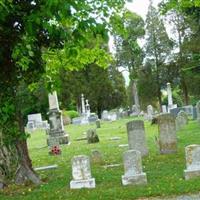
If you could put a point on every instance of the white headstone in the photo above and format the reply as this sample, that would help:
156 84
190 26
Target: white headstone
192 153
81 173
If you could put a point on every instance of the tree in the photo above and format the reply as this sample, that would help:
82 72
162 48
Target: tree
105 88
184 17
158 46
32 33
129 55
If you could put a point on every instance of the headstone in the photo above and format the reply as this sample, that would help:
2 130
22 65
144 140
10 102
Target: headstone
198 111
81 173
54 146
164 108
92 118
136 136
112 116
175 111
37 117
181 120
150 112
56 122
104 115
77 120
188 109
92 136
96 156
192 153
133 168
167 133
98 123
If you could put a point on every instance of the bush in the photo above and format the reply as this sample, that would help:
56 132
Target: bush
71 113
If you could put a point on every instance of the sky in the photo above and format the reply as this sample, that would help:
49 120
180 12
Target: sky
140 7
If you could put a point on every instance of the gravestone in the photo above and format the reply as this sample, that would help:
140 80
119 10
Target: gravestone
198 111
164 108
104 115
192 153
81 173
188 109
54 146
96 156
92 118
194 113
181 120
133 168
167 133
175 111
136 136
150 112
56 122
92 136
98 123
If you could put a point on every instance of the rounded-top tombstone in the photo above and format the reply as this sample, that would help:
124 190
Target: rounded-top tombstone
136 136
167 133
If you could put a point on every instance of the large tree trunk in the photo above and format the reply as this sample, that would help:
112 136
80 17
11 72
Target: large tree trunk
185 91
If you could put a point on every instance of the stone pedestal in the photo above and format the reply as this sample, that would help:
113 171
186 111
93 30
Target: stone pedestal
167 133
133 169
192 153
56 127
81 173
136 136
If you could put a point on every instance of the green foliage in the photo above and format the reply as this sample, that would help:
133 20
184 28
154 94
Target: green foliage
71 113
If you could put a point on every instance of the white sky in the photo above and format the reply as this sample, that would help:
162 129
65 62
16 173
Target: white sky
140 7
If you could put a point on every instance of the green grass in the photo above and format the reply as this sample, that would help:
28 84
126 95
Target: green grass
164 172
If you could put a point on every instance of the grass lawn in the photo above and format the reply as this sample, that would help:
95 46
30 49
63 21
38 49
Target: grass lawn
164 172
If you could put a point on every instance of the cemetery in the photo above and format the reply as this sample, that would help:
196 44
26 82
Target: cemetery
99 99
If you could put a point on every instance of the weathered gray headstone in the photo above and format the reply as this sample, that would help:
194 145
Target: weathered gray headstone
133 168
92 136
136 136
167 133
192 153
198 111
56 121
81 173
98 123
181 120
96 156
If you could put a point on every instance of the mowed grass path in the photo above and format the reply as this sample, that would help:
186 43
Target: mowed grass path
164 172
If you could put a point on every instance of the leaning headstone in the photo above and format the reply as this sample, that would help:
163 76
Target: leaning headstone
81 173
167 133
98 123
198 111
192 153
133 168
92 136
136 136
